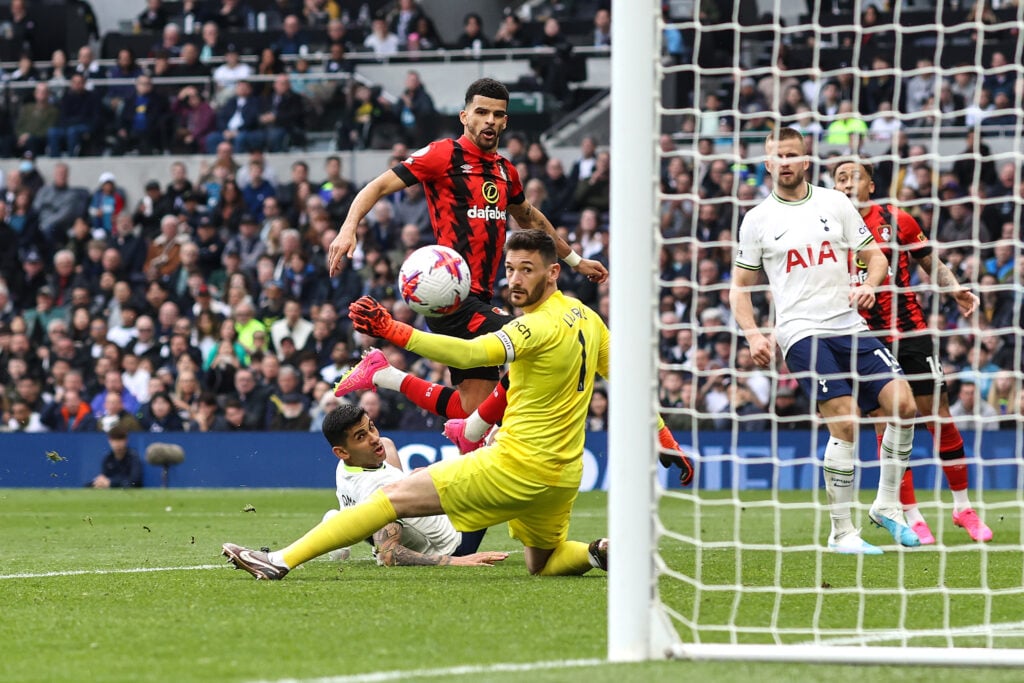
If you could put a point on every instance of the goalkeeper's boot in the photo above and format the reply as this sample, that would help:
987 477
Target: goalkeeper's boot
893 521
924 534
969 520
256 562
850 543
598 551
360 377
455 430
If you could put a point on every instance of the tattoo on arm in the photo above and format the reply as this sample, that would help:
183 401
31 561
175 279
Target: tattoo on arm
391 552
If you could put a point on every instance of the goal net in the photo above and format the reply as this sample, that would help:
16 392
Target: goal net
737 566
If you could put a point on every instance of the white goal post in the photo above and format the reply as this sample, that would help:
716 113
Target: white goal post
666 594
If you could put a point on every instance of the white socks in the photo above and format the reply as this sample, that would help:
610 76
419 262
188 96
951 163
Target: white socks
839 459
897 443
389 378
476 427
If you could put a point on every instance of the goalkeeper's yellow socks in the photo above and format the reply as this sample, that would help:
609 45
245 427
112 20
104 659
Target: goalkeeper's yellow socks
569 558
347 528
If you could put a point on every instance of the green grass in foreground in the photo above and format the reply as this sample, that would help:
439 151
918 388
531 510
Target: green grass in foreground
324 620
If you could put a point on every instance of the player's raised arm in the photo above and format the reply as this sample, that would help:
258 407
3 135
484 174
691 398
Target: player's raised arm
762 349
369 317
344 244
947 282
528 216
863 296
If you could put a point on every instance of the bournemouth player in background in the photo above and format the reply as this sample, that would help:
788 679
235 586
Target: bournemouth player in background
470 190
898 314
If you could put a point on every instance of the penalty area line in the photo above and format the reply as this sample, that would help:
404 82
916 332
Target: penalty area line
467 670
132 570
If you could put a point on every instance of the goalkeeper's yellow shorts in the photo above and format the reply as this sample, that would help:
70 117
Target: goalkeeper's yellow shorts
477 492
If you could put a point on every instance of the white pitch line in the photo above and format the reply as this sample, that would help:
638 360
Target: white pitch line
133 570
384 676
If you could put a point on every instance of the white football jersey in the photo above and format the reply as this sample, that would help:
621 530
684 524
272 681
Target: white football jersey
428 535
804 248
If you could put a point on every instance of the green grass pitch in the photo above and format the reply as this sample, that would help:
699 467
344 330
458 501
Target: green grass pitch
129 586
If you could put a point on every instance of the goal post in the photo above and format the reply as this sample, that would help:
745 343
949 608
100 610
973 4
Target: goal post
735 568
632 598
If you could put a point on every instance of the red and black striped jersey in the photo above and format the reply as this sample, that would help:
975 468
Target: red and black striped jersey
468 192
896 311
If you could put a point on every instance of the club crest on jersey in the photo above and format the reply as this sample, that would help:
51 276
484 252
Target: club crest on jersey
885 231
808 257
490 192
824 222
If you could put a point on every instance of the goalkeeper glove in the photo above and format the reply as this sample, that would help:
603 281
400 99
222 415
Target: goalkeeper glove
369 317
671 454
455 430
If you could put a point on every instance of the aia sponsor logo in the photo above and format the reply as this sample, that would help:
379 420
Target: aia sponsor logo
808 257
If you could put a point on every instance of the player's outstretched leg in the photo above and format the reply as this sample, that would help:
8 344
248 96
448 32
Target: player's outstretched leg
360 377
954 466
908 499
256 562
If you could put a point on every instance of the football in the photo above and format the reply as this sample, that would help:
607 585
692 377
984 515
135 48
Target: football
434 280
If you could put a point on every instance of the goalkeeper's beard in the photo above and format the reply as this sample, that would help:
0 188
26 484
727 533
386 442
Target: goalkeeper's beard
529 297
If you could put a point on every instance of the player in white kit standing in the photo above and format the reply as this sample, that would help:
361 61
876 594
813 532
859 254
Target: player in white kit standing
802 238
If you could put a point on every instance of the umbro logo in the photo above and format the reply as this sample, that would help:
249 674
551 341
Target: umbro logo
467 168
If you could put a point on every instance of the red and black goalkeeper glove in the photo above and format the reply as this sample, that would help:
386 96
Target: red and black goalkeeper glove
369 317
671 454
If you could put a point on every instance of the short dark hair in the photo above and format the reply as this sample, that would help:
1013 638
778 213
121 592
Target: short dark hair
339 421
784 134
486 87
865 165
533 240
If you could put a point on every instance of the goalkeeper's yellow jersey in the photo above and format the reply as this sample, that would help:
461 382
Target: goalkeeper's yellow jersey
553 353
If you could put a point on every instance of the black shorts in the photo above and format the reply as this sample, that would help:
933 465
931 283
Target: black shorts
475 317
919 358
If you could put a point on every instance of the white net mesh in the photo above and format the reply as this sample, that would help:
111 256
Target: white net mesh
931 97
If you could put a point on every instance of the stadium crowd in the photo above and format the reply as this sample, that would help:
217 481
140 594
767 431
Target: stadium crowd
205 304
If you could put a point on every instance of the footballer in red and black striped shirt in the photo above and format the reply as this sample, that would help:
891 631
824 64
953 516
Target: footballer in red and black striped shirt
471 190
899 316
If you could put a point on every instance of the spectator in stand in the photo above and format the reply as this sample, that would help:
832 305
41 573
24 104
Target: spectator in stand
472 37
159 415
292 40
25 73
919 87
190 66
238 121
206 417
593 192
603 28
122 467
164 253
210 46
24 220
416 112
144 119
170 41
114 384
402 20
510 33
256 190
247 244
283 116
80 112
381 40
227 75
89 67
24 419
21 27
252 398
234 15
337 32
230 209
194 120
1000 76
71 414
106 203
970 412
59 74
426 36
125 68
292 325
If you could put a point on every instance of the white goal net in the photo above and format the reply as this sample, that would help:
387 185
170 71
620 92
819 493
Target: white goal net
929 94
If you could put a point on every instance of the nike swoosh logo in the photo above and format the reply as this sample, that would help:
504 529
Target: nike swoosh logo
783 233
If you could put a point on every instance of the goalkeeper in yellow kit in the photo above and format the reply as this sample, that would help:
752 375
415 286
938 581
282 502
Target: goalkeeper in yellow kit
530 476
